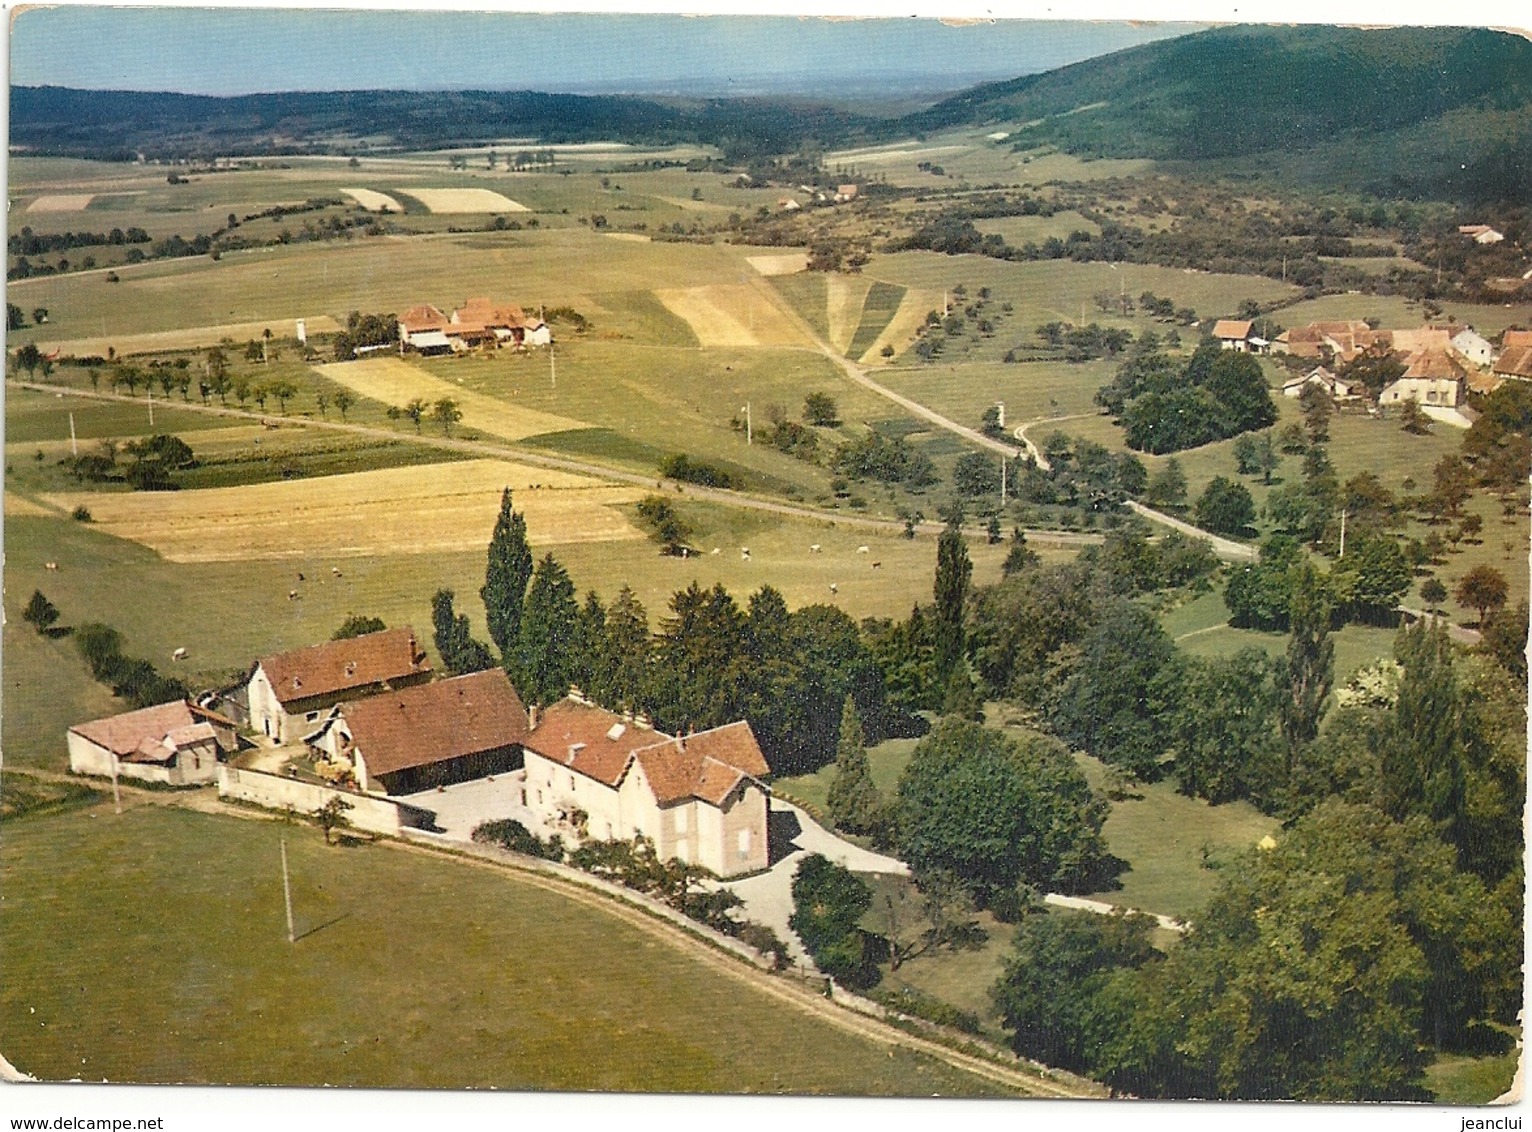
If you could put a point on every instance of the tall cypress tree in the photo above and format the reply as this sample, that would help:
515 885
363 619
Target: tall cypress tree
544 655
1422 756
625 653
853 799
953 571
1305 674
505 579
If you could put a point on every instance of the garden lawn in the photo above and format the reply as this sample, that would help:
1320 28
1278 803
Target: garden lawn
886 761
410 971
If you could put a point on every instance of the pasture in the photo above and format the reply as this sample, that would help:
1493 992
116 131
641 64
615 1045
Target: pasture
395 381
495 998
418 510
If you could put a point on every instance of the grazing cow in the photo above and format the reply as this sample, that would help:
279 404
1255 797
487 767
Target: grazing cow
834 589
335 570
814 549
50 565
179 654
877 565
864 550
714 550
300 575
744 553
292 595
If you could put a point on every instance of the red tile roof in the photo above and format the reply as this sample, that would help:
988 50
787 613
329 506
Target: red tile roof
338 666
433 723
1232 328
424 317
482 312
1434 364
602 745
1515 361
1516 338
125 734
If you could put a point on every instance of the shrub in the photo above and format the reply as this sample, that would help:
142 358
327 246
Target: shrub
511 834
81 514
908 1000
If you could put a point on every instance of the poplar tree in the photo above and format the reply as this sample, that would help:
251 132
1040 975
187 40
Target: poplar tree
544 656
953 571
505 579
1305 674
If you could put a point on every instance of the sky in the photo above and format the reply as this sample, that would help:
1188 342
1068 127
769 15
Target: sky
240 51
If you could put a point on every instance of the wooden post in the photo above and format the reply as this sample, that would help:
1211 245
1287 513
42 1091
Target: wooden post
287 893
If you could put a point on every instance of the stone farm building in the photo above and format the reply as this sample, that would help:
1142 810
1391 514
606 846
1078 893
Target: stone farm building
288 692
177 743
478 322
699 797
1338 388
428 736
1238 334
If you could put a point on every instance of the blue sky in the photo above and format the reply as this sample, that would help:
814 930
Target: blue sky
238 51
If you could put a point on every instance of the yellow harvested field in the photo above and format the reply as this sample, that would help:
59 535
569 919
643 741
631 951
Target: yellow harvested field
779 264
20 505
395 381
732 315
631 237
912 311
373 201
465 200
61 202
187 338
420 510
845 295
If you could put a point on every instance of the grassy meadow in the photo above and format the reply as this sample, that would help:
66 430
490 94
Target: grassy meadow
506 1003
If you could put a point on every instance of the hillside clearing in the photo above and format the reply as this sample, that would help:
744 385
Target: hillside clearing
845 297
779 264
394 381
417 510
900 330
192 337
466 200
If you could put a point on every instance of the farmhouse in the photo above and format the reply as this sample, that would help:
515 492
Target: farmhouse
1472 345
1433 378
1514 361
177 743
1238 334
428 736
1480 233
478 322
288 692
1341 341
1337 387
699 797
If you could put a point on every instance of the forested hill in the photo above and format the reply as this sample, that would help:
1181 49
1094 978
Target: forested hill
1401 110
118 124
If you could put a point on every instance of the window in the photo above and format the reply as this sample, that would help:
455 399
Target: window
311 716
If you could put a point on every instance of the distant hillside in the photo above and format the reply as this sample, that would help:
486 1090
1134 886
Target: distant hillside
1367 106
82 123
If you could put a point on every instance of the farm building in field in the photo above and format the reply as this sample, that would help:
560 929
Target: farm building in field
177 743
699 798
288 692
1472 345
1239 334
1480 233
1341 341
1338 388
478 322
428 736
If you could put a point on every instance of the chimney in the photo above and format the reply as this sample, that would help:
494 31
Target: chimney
532 718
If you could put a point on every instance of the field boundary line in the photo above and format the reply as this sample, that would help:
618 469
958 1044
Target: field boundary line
521 454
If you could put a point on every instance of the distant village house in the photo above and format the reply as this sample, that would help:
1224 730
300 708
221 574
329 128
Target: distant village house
479 322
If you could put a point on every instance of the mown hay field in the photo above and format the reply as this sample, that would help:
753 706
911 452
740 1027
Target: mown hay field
395 381
899 330
190 338
465 200
218 995
732 315
418 510
374 201
61 202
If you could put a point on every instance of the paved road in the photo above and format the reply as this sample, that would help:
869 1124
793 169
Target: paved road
768 896
1102 908
1227 549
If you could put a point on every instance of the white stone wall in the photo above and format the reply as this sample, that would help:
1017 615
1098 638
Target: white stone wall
369 814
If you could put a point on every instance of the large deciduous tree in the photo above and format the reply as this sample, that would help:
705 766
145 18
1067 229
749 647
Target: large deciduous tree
996 811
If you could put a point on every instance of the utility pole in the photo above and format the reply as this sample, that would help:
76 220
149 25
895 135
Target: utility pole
1002 481
287 893
553 375
749 439
74 445
116 793
1342 534
150 392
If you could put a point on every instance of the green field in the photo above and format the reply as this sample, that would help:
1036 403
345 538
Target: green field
1019 231
178 970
